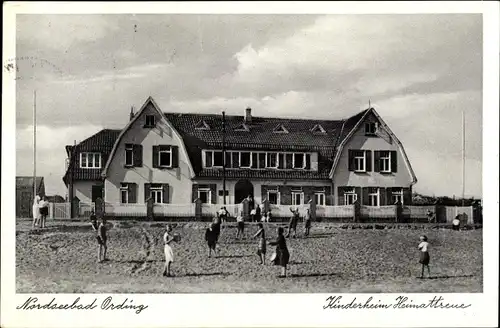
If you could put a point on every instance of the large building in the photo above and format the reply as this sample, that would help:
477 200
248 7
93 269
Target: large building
176 158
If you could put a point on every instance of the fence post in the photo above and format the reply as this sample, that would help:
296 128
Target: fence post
51 210
149 209
357 211
312 208
197 209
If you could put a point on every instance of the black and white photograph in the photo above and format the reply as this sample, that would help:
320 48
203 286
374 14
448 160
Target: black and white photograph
249 153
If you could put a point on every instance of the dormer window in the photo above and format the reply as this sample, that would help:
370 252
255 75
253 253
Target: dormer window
242 127
280 129
150 121
371 128
318 129
202 125
90 160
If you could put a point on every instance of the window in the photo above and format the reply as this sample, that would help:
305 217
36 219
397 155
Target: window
202 125
370 128
397 195
272 160
299 160
373 197
157 193
262 160
125 193
165 158
245 160
350 196
360 161
208 159
129 155
205 195
385 161
218 160
318 129
149 121
90 160
280 129
242 128
297 198
320 198
273 196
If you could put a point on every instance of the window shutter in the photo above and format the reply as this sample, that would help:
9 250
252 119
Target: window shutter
156 149
308 162
368 160
351 159
394 161
132 196
340 196
213 192
166 195
285 195
236 160
382 200
406 196
147 191
388 196
175 156
255 160
194 192
361 195
376 161
228 160
289 161
137 151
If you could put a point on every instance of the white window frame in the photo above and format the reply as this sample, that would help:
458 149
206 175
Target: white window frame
374 195
146 120
156 191
358 160
87 155
385 159
278 196
320 198
368 129
125 187
169 151
348 194
267 160
294 200
213 158
251 160
129 148
303 160
209 194
397 194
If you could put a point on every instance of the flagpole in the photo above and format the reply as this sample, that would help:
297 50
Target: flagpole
224 157
463 157
34 145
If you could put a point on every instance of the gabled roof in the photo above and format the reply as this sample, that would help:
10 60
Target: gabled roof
101 142
259 136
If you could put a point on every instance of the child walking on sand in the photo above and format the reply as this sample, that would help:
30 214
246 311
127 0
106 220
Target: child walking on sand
424 255
282 254
102 241
261 251
241 226
169 254
36 211
211 239
292 225
307 222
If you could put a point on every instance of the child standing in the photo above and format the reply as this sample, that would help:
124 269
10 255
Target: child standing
93 221
307 222
44 211
36 211
169 254
102 241
292 225
282 254
241 226
424 255
211 239
261 251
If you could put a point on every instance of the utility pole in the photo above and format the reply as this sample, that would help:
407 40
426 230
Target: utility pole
463 157
224 157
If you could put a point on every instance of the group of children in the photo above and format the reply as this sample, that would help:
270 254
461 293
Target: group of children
40 211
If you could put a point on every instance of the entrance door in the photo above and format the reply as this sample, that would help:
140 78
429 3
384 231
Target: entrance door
97 192
242 190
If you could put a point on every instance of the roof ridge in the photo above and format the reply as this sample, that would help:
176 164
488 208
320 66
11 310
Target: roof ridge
261 117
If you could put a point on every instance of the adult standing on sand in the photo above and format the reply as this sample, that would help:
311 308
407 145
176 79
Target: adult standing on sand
169 253
36 211
282 255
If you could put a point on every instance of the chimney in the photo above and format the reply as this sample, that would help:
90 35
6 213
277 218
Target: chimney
132 113
248 115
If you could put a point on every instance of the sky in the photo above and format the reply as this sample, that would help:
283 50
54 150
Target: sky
420 72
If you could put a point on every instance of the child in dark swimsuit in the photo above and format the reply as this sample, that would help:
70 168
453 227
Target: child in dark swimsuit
282 254
211 239
102 240
261 251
